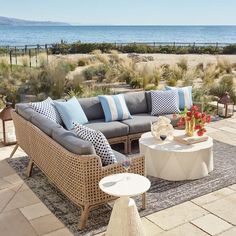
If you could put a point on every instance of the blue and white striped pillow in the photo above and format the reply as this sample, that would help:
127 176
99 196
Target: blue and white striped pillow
114 107
185 96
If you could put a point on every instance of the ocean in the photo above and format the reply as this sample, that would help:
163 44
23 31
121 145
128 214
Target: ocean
31 35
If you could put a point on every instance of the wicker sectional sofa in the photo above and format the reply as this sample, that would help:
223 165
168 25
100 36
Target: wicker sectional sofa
71 163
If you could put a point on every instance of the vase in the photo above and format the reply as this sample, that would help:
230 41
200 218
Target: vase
190 127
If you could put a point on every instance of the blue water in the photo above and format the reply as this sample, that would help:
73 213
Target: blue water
19 35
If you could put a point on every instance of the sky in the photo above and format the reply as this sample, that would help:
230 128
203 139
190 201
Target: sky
124 12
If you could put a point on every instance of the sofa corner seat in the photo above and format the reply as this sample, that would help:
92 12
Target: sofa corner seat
68 162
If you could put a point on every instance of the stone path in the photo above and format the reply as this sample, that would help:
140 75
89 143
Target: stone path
23 214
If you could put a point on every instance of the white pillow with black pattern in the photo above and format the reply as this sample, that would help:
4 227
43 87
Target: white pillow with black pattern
99 141
47 109
164 102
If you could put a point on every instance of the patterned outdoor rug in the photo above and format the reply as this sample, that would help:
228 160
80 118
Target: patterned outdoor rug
163 194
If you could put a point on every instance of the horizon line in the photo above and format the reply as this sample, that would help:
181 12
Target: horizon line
138 25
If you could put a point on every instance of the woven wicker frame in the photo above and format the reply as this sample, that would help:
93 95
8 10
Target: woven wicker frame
77 177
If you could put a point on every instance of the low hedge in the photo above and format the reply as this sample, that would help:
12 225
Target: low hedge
139 48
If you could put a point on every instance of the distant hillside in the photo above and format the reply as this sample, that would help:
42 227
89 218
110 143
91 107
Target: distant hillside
18 22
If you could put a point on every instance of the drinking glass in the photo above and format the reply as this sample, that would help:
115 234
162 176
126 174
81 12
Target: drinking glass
126 165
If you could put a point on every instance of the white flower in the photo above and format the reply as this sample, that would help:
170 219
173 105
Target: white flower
162 127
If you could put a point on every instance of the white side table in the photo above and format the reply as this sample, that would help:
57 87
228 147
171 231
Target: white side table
175 161
125 219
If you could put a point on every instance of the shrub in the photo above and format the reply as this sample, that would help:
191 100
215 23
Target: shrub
157 76
78 47
60 48
42 58
68 65
136 82
209 75
188 77
171 82
183 64
4 68
231 49
75 86
25 61
39 82
172 74
200 67
96 72
95 91
226 84
81 62
181 50
151 87
224 66
9 90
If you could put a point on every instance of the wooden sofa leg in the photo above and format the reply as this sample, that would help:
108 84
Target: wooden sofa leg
126 149
84 217
144 202
129 146
14 150
29 168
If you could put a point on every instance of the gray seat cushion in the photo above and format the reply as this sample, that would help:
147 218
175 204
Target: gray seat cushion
136 102
25 110
92 108
140 123
109 129
44 124
119 156
71 142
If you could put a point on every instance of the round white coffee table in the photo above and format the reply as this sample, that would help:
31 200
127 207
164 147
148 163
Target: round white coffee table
125 219
174 161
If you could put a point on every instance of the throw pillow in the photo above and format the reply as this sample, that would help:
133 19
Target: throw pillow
99 141
47 109
71 112
164 102
114 107
185 96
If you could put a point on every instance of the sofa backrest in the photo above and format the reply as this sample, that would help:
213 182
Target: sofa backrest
25 110
71 142
92 108
65 138
136 102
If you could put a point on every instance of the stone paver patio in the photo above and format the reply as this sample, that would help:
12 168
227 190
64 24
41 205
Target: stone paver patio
23 214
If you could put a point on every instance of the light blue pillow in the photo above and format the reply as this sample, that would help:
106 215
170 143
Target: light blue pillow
114 107
185 96
71 112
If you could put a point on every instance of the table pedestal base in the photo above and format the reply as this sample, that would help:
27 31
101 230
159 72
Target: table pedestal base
125 219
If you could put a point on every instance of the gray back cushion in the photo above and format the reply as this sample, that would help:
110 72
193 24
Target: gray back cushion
92 108
149 100
136 102
25 110
44 124
71 142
